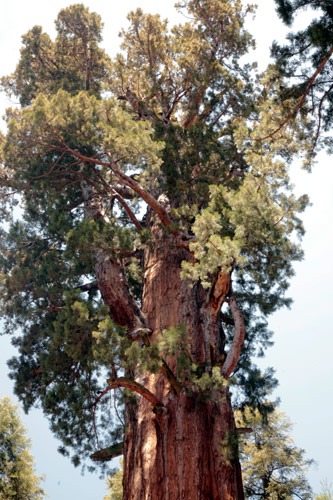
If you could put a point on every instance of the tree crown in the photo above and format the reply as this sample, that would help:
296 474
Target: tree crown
189 137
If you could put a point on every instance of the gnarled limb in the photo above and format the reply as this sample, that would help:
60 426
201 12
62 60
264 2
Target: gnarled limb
150 200
112 283
237 343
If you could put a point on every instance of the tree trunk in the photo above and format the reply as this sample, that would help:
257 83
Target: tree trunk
188 449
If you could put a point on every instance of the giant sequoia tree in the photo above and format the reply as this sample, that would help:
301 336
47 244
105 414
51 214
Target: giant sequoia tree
155 239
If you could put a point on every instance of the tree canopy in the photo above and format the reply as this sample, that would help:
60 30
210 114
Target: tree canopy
174 129
272 466
18 480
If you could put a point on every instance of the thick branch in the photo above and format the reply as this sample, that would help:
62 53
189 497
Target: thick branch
150 200
219 291
237 343
112 283
109 453
134 386
129 212
193 114
110 274
128 181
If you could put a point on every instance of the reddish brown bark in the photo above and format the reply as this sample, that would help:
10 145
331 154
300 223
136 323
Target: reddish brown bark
189 449
179 443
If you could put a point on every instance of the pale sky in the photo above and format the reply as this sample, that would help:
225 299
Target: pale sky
303 349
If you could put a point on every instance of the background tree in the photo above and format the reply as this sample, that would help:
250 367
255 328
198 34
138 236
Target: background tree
154 243
326 492
18 480
272 466
73 61
307 64
115 484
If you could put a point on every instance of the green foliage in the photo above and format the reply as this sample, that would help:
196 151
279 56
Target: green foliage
72 62
115 484
176 114
307 51
326 492
229 447
272 466
174 344
209 384
18 480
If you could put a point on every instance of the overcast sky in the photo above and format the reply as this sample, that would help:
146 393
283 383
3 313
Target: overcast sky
302 355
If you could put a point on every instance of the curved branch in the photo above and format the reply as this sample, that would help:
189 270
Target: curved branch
133 386
237 343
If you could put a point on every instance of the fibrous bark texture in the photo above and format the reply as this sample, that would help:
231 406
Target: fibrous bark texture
187 449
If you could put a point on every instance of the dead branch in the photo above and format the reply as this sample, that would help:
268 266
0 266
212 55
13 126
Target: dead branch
87 287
